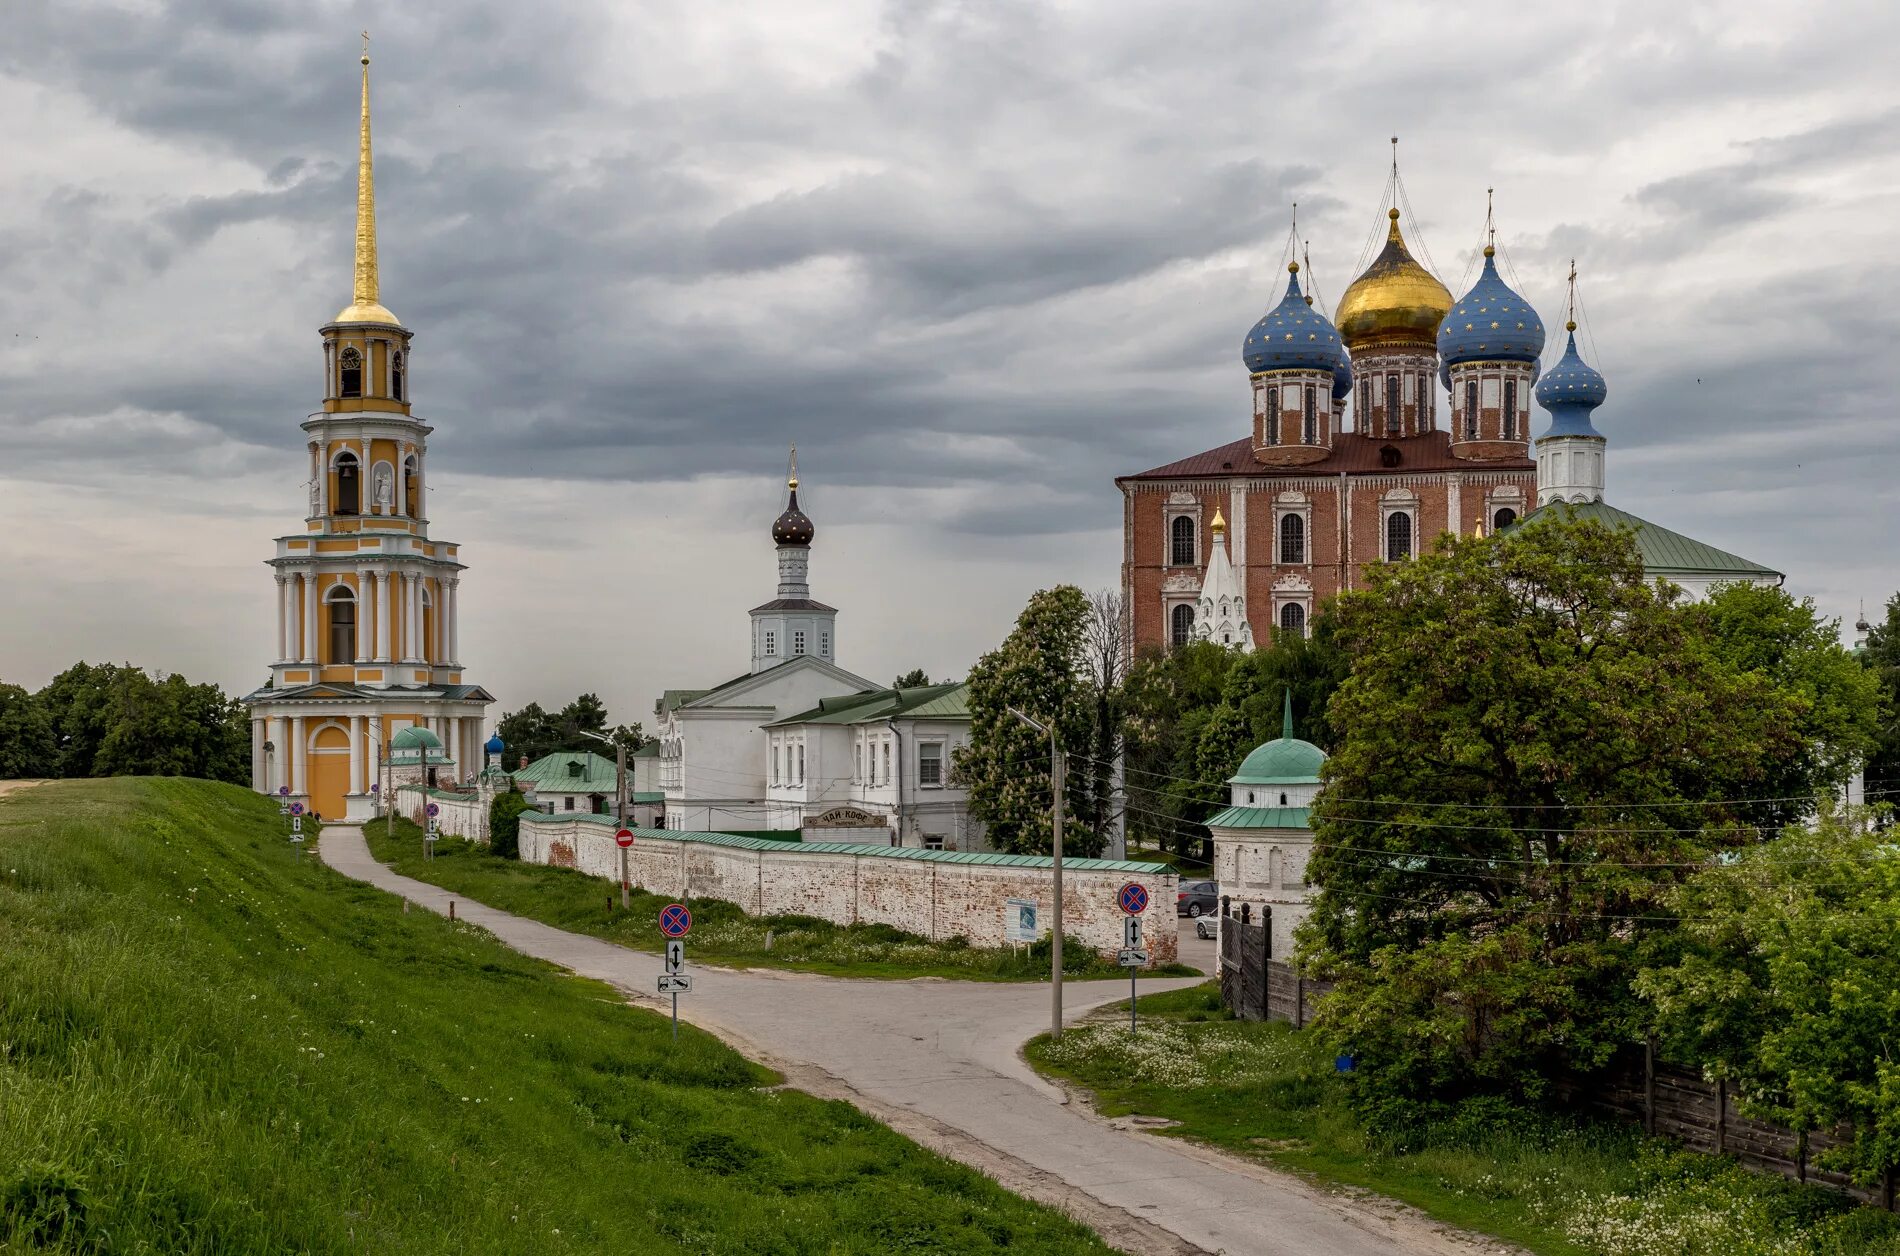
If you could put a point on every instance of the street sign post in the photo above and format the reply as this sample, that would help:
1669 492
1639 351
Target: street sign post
676 921
296 828
623 838
428 835
1133 898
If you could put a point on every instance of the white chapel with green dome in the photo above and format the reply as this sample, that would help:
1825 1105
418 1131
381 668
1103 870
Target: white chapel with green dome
1264 838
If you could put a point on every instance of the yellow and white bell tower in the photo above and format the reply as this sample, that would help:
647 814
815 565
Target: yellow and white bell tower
367 603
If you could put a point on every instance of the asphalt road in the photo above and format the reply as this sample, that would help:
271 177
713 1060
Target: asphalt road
939 1061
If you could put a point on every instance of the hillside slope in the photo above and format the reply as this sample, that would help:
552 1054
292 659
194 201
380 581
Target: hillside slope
210 1043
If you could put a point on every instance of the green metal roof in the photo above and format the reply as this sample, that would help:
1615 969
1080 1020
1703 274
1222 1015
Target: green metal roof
1665 553
650 750
550 774
735 842
948 702
1262 818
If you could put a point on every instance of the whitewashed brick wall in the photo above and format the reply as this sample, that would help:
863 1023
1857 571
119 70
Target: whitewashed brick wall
455 817
933 897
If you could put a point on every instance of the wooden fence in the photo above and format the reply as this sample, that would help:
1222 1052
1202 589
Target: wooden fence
1256 986
1664 1099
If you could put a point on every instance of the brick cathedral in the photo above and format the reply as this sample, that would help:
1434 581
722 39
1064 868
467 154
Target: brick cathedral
1351 459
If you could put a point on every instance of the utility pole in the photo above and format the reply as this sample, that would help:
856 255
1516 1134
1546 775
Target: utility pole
1058 764
620 809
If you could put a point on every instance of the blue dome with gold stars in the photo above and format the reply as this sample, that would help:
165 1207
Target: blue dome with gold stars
1490 322
1570 390
1293 336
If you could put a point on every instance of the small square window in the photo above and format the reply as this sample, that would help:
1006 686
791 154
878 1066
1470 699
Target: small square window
933 841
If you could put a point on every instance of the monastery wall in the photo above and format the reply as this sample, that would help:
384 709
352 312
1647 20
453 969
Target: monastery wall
457 815
921 892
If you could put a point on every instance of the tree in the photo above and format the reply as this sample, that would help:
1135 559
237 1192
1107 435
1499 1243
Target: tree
26 736
912 679
1788 985
1166 700
1039 670
533 733
1523 760
111 720
504 823
528 733
1104 646
1762 629
1882 659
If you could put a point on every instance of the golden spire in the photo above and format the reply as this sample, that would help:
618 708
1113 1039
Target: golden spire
366 306
791 477
1219 524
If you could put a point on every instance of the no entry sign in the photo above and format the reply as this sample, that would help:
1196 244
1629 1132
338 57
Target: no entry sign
624 837
1134 898
675 920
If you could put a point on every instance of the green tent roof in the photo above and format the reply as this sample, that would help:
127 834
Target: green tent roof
1286 760
1665 553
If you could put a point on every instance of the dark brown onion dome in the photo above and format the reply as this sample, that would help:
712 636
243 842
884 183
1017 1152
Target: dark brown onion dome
793 527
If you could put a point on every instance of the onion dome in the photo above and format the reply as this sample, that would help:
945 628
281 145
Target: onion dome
1491 322
793 527
1286 760
1293 336
1570 390
494 744
1396 299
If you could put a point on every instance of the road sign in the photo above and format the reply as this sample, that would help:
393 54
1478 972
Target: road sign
675 920
433 811
675 954
1133 957
624 837
296 808
1131 933
1019 920
283 791
674 983
1133 898
283 809
296 828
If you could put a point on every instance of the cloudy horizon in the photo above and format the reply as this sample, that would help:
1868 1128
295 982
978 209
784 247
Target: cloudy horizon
975 260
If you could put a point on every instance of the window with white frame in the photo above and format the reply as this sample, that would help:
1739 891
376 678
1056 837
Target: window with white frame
1292 538
1398 536
930 764
771 643
933 841
824 645
887 763
1293 619
1181 549
798 641
857 767
801 763
778 752
1180 624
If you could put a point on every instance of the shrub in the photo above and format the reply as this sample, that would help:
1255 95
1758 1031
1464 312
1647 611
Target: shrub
504 824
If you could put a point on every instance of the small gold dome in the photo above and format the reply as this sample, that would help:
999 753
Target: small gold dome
1219 524
1395 300
367 312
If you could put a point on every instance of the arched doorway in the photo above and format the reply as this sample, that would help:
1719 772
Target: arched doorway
330 771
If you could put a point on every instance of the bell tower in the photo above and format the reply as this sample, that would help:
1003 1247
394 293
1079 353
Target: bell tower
368 637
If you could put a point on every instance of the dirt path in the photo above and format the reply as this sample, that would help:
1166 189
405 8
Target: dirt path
9 787
939 1061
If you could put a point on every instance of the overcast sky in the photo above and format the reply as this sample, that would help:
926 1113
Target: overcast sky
975 259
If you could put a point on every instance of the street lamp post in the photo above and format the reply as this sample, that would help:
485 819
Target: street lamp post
1057 768
620 813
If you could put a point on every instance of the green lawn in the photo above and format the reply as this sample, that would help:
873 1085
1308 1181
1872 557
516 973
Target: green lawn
210 1043
1556 1186
722 934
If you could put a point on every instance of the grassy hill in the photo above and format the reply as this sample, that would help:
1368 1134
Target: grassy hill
211 1043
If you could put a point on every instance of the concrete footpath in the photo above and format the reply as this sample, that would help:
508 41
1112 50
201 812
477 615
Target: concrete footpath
939 1061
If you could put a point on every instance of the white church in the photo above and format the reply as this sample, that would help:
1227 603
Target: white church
797 742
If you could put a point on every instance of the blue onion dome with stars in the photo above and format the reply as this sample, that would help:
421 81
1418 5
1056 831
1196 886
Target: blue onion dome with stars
1293 336
1490 323
1570 390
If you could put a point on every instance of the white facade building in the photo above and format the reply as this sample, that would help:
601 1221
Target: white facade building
1264 839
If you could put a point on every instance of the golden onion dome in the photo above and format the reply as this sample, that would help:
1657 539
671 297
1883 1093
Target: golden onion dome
1396 299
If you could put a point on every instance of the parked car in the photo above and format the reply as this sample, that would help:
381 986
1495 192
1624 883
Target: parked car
1207 928
1197 898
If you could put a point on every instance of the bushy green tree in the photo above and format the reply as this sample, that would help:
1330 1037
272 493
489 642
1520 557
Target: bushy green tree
1524 749
26 736
915 678
533 733
1882 660
1040 670
504 823
1788 985
1167 698
112 720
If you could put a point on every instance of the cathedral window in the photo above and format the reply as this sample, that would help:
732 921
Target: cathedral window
1293 619
411 487
1181 541
1503 519
1398 536
350 373
1292 539
1365 404
1510 409
396 383
1424 403
798 642
1180 624
342 626
1273 416
1471 410
1392 404
349 485
1309 430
